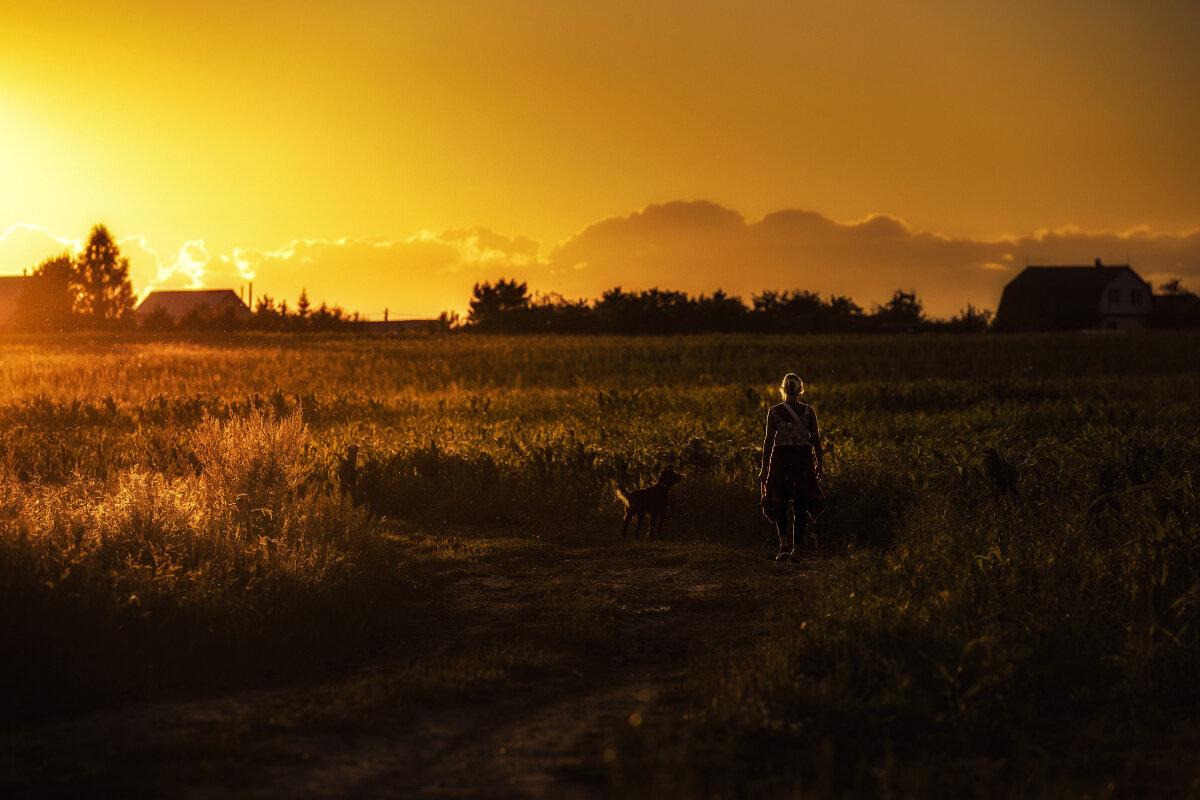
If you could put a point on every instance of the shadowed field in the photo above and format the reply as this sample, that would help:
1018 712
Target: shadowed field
1002 599
540 656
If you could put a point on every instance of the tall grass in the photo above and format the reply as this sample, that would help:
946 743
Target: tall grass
1011 536
251 468
105 580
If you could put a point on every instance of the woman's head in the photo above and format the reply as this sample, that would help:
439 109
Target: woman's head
791 386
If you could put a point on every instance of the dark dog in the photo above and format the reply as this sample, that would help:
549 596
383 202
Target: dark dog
651 502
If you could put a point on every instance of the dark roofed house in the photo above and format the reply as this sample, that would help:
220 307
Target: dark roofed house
11 287
1098 297
178 304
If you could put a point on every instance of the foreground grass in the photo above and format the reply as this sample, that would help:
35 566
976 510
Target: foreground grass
1011 601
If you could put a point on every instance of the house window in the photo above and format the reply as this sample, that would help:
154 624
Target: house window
1135 296
1114 296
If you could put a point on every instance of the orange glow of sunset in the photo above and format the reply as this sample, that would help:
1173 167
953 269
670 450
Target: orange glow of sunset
391 154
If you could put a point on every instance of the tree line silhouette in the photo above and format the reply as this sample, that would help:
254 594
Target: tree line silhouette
268 315
92 291
508 307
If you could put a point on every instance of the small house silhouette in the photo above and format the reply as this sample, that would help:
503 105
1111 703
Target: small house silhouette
1073 298
177 304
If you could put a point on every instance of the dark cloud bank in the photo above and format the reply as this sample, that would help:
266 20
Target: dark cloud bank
701 246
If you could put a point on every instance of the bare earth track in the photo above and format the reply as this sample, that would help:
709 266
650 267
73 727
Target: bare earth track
634 623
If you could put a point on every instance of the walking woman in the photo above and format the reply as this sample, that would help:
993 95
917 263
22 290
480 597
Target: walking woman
791 466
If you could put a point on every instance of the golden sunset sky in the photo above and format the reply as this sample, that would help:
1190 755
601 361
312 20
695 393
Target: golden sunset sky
390 154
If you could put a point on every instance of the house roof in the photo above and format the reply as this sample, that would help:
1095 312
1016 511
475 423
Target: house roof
178 303
11 287
1061 297
1079 278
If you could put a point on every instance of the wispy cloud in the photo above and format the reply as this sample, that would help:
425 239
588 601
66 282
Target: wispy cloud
416 276
24 246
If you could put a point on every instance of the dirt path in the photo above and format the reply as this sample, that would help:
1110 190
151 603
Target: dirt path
659 610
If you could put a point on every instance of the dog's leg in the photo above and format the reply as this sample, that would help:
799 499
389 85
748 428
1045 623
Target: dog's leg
625 523
637 529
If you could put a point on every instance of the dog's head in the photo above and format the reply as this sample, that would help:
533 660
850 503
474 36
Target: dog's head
669 477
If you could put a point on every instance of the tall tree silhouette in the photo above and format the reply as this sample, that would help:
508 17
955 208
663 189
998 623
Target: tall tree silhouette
498 307
105 294
904 308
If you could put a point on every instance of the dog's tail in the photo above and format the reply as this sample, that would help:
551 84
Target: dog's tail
622 495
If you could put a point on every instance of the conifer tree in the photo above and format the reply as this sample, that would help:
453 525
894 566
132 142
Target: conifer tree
105 294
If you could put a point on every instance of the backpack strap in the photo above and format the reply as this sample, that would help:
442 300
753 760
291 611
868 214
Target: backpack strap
791 411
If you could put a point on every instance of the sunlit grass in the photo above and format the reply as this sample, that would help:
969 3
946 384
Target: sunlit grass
1011 535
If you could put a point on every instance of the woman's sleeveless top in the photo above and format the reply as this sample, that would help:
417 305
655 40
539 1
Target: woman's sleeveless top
792 429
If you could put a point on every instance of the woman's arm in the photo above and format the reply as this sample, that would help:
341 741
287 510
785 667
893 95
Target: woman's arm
815 435
768 443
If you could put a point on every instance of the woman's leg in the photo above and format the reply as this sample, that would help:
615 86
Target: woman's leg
786 546
800 525
781 528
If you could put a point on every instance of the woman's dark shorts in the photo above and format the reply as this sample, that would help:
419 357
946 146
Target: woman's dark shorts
792 476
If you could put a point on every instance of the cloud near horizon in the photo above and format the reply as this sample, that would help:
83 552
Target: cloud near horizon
701 246
693 246
23 246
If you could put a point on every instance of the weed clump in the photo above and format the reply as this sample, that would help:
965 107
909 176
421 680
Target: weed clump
250 467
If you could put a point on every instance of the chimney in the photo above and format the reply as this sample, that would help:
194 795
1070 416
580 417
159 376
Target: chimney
1099 263
251 295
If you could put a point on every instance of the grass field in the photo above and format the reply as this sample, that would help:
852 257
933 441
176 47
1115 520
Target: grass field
1003 598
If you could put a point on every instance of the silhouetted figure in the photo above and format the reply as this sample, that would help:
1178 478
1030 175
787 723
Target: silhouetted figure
791 466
